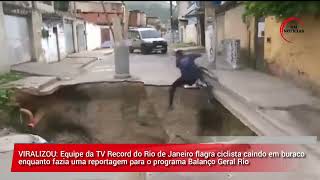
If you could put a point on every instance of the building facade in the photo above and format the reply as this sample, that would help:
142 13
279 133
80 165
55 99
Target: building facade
191 22
137 18
261 45
37 31
98 15
47 31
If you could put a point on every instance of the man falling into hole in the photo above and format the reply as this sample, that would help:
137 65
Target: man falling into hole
190 75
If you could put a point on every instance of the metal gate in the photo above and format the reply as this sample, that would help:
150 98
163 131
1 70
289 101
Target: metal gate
82 45
49 45
18 39
68 32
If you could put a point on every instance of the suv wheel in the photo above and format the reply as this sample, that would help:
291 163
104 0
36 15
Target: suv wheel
164 51
131 49
144 51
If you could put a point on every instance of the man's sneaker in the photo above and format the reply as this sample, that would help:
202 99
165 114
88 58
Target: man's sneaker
194 86
201 84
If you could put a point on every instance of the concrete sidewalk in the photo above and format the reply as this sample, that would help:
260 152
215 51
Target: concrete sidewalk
268 105
278 100
70 67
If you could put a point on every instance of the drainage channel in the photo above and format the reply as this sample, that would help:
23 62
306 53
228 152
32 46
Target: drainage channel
127 112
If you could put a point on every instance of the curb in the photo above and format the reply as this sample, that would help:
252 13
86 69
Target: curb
48 83
85 65
29 73
88 64
193 48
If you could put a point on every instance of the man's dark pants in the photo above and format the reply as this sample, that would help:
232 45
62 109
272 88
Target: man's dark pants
180 82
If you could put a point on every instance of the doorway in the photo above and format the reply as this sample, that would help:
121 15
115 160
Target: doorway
81 35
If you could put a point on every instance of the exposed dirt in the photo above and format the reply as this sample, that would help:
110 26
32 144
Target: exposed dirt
128 113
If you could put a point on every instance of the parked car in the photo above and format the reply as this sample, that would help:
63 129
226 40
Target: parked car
146 40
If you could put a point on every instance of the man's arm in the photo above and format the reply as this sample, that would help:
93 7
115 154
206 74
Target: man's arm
194 56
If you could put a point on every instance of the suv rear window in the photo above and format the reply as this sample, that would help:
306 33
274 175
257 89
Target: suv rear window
150 34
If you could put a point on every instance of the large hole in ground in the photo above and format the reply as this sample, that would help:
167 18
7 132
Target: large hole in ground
129 112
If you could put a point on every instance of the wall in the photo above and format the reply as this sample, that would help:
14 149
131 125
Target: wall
4 61
235 28
106 37
69 35
183 8
298 60
137 19
220 31
81 37
133 18
143 19
75 37
25 4
98 18
182 30
252 42
62 42
18 38
153 21
191 34
36 24
210 30
45 7
209 11
97 6
49 45
93 36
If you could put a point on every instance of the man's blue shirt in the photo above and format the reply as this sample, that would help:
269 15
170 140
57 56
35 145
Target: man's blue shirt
189 70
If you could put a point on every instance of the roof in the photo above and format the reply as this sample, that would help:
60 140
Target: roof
136 11
152 17
227 6
194 13
106 2
182 19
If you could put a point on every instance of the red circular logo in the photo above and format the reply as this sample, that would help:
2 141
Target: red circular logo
285 23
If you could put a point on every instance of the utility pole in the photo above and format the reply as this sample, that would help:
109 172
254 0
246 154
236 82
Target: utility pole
121 50
171 22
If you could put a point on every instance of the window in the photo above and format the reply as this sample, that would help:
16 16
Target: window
150 34
129 34
133 34
47 2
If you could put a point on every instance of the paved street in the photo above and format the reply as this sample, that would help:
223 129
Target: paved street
154 69
151 69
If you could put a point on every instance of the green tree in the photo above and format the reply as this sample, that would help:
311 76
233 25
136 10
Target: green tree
61 5
281 9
